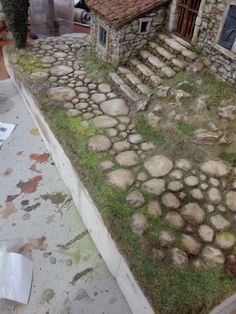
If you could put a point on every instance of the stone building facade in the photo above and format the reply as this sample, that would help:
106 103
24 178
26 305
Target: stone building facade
122 43
116 38
214 18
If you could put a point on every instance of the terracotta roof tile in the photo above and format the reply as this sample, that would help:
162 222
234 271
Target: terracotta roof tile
120 12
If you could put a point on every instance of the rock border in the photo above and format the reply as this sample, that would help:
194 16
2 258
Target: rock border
91 217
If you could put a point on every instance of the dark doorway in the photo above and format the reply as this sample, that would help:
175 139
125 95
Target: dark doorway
187 13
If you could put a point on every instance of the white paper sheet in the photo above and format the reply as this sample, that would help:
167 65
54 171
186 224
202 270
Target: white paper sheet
15 277
5 131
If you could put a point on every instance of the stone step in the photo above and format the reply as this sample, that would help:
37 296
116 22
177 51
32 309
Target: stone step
145 73
134 81
123 87
169 59
178 48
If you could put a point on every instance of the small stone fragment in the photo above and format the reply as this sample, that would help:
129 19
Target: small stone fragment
170 201
214 195
206 233
127 158
231 200
138 223
135 199
121 146
166 239
191 244
158 166
213 257
225 240
183 164
106 165
121 178
47 295
154 209
180 258
197 194
193 213
135 138
219 222
191 181
175 186
175 220
154 186
99 143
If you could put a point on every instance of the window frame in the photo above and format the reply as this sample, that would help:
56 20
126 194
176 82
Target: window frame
100 28
147 20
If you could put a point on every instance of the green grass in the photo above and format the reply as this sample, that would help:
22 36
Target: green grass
171 290
185 128
97 68
173 142
31 63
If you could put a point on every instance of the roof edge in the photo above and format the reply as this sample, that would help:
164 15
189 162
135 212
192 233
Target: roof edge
120 24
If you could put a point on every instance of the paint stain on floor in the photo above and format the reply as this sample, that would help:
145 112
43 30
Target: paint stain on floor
34 132
55 198
29 186
40 158
7 172
8 210
33 244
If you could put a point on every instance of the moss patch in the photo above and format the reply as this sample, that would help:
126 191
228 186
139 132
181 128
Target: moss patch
31 63
95 67
171 290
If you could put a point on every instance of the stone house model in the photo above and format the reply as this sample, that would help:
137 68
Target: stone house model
119 28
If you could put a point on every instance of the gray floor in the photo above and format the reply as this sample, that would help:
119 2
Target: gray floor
36 213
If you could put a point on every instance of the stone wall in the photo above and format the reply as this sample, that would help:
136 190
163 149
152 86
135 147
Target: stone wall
208 28
4 32
122 43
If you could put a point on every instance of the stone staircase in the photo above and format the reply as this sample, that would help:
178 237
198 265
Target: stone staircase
154 63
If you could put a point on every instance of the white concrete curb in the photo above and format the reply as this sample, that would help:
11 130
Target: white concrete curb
87 209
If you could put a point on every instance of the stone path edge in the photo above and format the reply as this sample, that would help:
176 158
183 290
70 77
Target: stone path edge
91 217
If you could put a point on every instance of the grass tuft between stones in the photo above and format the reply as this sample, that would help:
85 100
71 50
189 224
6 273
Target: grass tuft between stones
171 290
31 63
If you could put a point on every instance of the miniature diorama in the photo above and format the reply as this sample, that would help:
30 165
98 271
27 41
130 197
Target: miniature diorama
144 106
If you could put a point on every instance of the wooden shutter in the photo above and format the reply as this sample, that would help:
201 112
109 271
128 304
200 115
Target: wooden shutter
229 31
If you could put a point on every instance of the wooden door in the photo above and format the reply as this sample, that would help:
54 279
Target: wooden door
187 13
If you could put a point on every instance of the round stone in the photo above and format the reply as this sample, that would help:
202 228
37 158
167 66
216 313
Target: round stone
175 186
191 181
214 195
206 233
219 222
135 138
106 165
183 164
104 122
158 166
214 182
121 178
81 106
98 98
176 174
47 295
225 240
231 200
138 223
213 257
121 146
127 158
61 70
73 113
154 209
115 107
166 239
197 194
154 186
216 168
170 201
175 220
38 76
83 96
104 88
48 59
135 199
59 54
62 94
99 143
142 176
193 213
180 258
192 245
